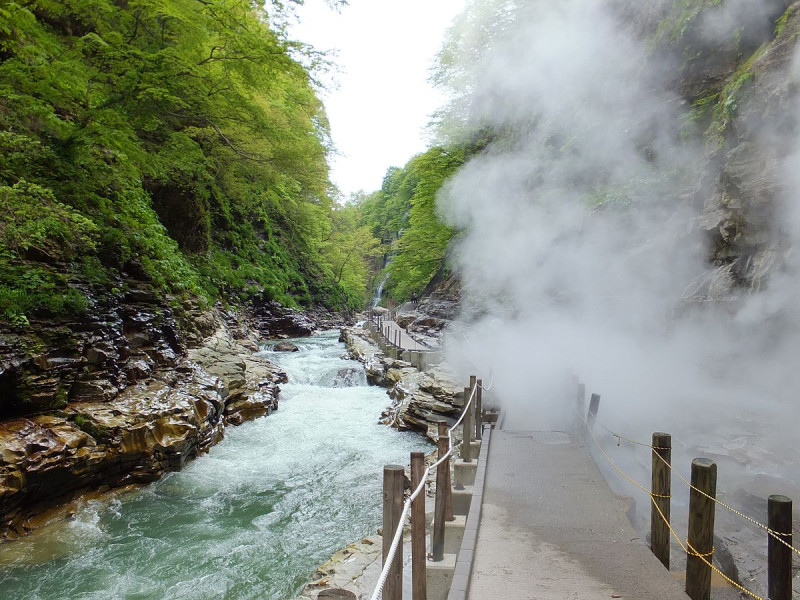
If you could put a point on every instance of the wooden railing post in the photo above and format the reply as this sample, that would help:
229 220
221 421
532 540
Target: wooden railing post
418 559
393 477
444 432
700 540
581 404
479 410
660 489
442 491
594 405
779 556
466 430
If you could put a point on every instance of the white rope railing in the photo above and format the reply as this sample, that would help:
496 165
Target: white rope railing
398 534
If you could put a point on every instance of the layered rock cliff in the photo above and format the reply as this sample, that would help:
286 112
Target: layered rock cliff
128 391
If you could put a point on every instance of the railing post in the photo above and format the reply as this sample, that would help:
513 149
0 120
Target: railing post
442 489
660 504
594 405
479 410
581 403
444 432
418 559
466 430
393 476
779 556
700 540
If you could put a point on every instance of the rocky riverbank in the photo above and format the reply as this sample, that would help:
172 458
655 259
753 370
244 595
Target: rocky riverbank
419 399
125 393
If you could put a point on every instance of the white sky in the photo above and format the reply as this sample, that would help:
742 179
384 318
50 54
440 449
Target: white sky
383 101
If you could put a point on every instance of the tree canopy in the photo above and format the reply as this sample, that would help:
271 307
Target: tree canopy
179 139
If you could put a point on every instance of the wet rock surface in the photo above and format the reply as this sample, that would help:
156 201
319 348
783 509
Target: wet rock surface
120 396
285 347
420 399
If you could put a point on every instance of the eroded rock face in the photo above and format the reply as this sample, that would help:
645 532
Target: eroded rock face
420 399
741 216
115 398
276 321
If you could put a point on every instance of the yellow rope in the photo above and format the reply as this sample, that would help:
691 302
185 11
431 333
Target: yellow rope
690 551
775 534
687 548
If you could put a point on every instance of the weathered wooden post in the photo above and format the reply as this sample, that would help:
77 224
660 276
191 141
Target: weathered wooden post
444 447
700 540
466 430
418 559
779 556
581 403
479 410
442 489
660 490
594 405
393 476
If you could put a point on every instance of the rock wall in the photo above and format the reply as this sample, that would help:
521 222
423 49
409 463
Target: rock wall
731 65
420 399
126 392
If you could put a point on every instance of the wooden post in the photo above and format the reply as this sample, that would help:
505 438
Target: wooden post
779 556
442 489
393 478
418 559
594 405
660 505
701 529
444 434
581 404
466 430
479 410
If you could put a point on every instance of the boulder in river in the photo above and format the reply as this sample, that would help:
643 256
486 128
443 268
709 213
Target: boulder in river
285 346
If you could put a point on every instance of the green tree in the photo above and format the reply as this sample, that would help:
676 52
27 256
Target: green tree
187 131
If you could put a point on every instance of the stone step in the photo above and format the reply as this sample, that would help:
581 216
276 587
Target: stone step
454 533
476 450
462 500
440 576
464 472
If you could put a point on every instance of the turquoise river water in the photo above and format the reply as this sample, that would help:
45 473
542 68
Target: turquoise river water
249 520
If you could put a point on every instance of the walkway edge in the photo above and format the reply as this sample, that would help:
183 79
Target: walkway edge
459 588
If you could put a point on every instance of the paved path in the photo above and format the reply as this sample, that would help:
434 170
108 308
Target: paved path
551 529
406 341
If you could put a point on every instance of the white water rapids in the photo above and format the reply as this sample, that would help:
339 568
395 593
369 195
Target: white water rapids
251 519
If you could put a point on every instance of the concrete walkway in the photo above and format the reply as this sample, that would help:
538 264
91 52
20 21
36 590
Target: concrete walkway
551 529
406 341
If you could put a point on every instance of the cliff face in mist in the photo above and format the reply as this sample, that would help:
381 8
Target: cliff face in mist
733 64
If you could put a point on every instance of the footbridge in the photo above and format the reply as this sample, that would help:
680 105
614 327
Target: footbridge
524 514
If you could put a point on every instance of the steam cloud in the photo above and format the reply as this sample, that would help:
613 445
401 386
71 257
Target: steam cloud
583 250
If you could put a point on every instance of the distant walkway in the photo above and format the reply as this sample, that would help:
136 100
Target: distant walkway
396 335
551 529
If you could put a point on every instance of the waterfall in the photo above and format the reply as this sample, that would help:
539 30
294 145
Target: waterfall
379 290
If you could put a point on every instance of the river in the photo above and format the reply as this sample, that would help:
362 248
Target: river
250 519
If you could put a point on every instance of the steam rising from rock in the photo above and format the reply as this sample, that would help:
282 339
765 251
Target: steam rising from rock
584 248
